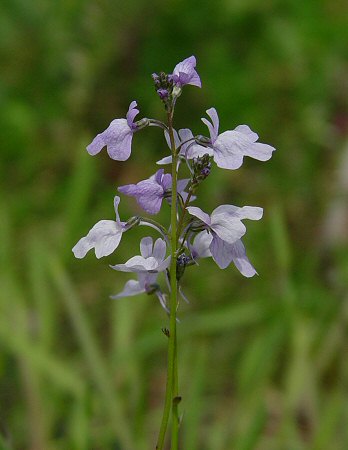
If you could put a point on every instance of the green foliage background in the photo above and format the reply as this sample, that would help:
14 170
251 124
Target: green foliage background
263 362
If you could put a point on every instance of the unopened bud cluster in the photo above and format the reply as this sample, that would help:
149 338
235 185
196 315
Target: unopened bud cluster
164 87
201 168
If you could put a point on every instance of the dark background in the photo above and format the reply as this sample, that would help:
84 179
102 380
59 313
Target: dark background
263 361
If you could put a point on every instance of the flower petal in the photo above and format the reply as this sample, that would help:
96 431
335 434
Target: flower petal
146 245
197 212
163 265
229 230
184 73
132 287
117 137
201 244
121 147
241 261
134 264
229 149
148 194
132 113
231 146
105 237
128 189
107 240
159 250
221 252
214 128
166 181
246 212
195 150
261 152
176 139
185 134
146 279
165 160
96 145
245 129
158 176
181 184
83 246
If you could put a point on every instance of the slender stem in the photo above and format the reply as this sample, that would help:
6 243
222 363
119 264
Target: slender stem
185 142
172 352
171 396
186 231
157 123
157 226
176 400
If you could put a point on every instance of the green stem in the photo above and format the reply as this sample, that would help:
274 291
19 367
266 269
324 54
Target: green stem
171 396
176 400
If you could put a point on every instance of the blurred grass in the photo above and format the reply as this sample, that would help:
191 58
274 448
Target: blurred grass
263 361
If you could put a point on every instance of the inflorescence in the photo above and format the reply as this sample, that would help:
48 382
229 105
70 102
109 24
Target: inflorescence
200 235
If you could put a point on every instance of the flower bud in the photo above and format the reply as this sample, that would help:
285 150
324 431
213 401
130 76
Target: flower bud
156 78
181 263
163 93
201 167
205 171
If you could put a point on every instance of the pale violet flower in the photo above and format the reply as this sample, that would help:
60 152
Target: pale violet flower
104 237
150 193
200 248
188 149
117 137
147 267
230 147
151 260
185 73
226 227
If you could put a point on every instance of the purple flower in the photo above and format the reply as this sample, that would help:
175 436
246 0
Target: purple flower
189 150
152 259
104 237
150 193
226 227
117 137
230 147
185 73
